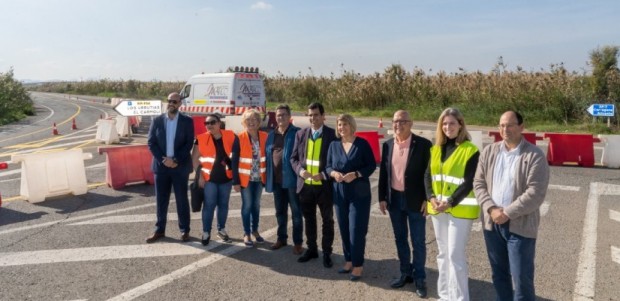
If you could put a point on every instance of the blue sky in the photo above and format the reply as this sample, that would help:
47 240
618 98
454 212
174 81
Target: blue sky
172 40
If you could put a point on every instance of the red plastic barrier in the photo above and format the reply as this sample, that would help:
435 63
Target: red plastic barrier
199 124
530 137
127 164
3 165
373 140
565 148
271 122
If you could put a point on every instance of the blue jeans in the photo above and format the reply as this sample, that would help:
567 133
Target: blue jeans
512 259
165 182
400 215
250 206
282 197
215 195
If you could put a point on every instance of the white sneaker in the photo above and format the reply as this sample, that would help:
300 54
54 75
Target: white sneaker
223 235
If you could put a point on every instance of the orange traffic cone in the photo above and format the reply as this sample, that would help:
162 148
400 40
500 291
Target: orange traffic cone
54 129
380 123
73 126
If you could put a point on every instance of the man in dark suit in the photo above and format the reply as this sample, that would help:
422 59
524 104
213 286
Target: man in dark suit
313 184
404 160
171 138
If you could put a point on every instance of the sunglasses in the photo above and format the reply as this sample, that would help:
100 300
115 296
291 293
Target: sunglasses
212 122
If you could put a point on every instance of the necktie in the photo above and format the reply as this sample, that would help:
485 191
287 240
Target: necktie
315 135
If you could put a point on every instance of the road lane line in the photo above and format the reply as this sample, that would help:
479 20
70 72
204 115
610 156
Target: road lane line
186 270
586 269
141 218
614 215
563 187
77 218
99 253
615 254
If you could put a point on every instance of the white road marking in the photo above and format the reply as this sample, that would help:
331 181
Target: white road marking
100 253
77 218
140 218
185 271
562 187
586 269
614 215
615 254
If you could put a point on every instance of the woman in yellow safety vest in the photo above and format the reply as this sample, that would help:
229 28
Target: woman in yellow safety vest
217 152
452 205
252 168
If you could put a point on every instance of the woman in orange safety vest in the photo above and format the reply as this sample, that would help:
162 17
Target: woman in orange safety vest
252 168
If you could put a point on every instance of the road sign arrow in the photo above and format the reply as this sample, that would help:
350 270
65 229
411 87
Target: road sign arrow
138 107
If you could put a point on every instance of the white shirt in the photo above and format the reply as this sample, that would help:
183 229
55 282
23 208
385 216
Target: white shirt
504 175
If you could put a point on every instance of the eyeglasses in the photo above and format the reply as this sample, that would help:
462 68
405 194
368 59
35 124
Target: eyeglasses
211 122
507 126
173 101
401 121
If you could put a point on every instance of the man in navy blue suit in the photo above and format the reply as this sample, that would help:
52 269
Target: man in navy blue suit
171 138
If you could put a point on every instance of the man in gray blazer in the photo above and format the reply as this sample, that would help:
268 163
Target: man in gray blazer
510 185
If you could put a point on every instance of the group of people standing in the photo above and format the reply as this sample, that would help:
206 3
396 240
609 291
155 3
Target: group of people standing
318 166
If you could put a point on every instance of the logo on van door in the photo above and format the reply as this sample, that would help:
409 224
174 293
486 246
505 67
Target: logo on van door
217 92
250 90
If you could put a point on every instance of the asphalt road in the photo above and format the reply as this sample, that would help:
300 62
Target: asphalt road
91 247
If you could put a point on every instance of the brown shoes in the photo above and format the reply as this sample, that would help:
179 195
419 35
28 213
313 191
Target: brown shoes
298 249
154 237
279 244
185 236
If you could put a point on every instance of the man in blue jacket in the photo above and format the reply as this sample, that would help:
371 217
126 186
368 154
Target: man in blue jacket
282 180
170 140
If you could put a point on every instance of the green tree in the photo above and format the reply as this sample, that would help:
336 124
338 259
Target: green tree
15 103
604 66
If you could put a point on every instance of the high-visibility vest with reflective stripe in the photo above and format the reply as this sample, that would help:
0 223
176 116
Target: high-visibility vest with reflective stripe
245 157
206 146
447 176
313 158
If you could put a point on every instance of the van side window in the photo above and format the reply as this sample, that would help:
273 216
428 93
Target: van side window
186 90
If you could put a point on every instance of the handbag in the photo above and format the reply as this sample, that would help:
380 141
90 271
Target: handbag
196 193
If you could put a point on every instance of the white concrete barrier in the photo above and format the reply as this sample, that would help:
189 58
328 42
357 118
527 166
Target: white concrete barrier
476 139
233 123
301 121
611 150
122 126
106 132
52 174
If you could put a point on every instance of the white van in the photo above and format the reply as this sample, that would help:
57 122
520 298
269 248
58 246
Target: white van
226 93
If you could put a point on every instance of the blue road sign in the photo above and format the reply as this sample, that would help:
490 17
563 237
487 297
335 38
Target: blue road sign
605 110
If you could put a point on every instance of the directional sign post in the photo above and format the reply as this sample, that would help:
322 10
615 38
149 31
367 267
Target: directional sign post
138 107
602 110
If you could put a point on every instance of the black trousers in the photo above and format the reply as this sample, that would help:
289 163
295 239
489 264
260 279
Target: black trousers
310 197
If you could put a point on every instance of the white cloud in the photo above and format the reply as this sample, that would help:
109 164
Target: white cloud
260 5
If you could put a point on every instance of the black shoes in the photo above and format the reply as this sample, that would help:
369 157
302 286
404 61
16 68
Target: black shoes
307 256
401 281
154 237
420 288
327 261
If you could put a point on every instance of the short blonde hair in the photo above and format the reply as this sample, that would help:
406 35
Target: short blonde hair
440 137
346 118
251 113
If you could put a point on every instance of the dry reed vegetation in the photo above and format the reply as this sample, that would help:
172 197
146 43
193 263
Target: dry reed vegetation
553 96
